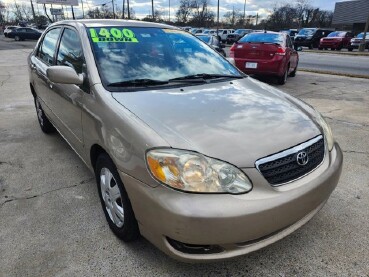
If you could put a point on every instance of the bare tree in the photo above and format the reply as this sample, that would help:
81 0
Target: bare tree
232 17
184 11
202 16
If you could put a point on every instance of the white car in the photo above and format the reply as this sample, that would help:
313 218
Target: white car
224 33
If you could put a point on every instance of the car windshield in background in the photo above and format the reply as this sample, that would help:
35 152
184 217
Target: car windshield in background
361 35
204 38
239 31
263 38
337 34
154 55
306 32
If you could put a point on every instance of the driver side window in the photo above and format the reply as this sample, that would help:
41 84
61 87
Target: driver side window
70 51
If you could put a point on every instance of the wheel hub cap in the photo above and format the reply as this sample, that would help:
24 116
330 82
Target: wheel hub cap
112 197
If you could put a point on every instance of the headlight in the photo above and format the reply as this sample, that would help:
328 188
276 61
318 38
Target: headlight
326 130
193 172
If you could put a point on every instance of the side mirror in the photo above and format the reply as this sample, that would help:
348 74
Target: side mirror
64 75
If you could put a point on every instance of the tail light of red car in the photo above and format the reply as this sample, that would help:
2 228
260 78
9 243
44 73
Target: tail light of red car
231 50
281 51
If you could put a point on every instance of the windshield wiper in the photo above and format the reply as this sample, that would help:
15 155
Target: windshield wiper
138 83
204 76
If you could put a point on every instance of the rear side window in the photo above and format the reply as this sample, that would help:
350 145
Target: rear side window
70 51
48 46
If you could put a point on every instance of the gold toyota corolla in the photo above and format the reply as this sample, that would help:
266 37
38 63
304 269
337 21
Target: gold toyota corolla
202 160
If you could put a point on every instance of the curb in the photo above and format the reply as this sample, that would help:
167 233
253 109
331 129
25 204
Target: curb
334 73
360 54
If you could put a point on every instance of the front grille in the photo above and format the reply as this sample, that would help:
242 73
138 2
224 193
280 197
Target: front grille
283 167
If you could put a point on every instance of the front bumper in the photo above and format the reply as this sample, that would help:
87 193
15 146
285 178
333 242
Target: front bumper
305 43
329 44
237 224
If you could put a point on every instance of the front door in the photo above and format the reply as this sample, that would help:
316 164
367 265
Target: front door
66 99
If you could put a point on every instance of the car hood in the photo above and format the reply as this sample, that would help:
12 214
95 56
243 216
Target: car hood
238 121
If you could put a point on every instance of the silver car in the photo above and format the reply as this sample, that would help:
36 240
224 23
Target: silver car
200 159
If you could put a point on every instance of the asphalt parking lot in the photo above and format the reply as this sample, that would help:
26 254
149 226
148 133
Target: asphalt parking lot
52 224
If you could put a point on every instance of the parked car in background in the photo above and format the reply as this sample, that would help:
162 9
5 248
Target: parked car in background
239 33
209 32
8 29
336 40
23 33
195 31
355 42
203 161
213 42
266 53
291 32
224 33
310 37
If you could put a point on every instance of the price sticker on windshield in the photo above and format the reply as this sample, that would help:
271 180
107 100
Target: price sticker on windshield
112 35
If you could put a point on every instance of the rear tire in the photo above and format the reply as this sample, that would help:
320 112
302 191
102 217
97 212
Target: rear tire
311 46
320 48
293 73
114 200
283 79
350 49
45 124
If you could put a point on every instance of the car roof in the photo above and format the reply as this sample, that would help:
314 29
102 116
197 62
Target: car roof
114 22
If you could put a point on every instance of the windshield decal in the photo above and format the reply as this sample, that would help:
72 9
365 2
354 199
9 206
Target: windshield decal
112 35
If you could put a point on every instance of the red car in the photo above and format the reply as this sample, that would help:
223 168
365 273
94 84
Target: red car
266 53
336 40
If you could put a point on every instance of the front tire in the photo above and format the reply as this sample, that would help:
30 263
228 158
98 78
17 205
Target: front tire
45 124
17 38
114 200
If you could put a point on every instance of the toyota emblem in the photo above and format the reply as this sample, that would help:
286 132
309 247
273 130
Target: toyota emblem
302 158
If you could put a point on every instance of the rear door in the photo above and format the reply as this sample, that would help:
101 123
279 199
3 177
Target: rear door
44 58
291 52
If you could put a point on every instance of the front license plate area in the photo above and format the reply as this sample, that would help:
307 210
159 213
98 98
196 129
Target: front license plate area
251 65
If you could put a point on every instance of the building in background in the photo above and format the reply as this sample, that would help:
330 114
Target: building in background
351 15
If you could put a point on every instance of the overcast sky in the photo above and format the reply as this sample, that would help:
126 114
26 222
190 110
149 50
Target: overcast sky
143 7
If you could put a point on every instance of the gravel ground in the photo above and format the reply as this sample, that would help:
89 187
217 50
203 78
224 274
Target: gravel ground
52 224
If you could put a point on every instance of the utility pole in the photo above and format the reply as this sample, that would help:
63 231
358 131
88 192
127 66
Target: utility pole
83 11
123 7
244 14
112 2
152 10
257 19
129 12
33 11
73 13
218 20
169 11
363 42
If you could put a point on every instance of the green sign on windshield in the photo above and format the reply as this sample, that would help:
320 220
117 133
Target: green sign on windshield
112 35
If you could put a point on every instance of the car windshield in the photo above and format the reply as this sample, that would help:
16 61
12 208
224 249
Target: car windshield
204 38
306 32
337 34
132 53
239 31
361 35
263 38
